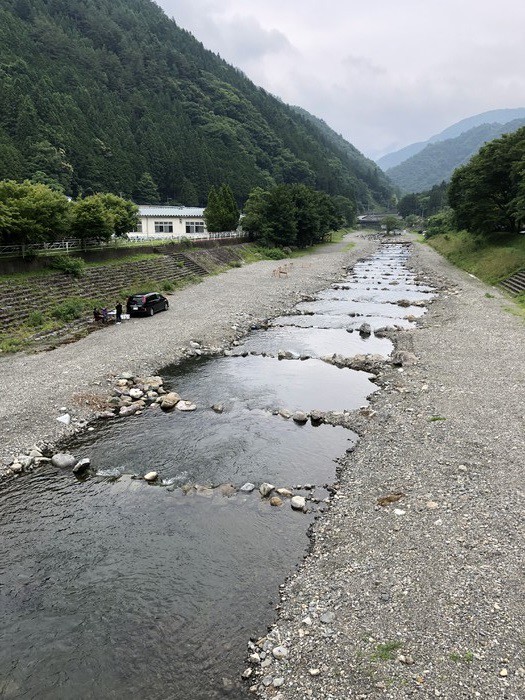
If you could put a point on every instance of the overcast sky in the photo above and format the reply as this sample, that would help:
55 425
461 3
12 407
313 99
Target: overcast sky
382 73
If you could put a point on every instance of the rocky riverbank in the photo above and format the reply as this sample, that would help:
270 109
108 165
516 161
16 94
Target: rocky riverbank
414 583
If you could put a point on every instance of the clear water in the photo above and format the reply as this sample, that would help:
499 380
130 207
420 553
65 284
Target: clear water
315 342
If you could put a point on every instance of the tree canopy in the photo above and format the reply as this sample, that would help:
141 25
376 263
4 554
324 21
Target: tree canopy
488 193
222 212
290 215
36 213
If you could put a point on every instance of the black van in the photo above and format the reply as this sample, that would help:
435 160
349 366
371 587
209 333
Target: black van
146 304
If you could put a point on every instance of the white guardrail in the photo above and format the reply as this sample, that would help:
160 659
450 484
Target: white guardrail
77 244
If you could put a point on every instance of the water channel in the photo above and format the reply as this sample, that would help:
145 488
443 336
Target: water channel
113 588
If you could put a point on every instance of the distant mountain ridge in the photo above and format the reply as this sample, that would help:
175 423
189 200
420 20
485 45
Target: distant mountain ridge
437 161
499 116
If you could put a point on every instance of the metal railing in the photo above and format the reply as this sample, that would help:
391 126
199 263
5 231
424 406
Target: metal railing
78 244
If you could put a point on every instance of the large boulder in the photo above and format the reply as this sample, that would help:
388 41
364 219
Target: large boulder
82 466
63 460
169 401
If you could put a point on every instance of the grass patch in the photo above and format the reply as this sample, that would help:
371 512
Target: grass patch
491 259
386 651
432 419
348 247
139 257
36 319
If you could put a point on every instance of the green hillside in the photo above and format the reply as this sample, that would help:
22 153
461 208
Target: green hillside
368 174
95 93
437 161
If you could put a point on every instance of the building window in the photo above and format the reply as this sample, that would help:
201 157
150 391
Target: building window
163 227
194 227
139 227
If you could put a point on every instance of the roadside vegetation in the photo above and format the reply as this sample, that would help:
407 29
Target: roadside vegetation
477 220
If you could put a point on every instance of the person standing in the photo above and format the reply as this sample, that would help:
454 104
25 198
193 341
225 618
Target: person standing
104 313
118 312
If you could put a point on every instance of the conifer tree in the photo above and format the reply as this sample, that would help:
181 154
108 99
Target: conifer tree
146 191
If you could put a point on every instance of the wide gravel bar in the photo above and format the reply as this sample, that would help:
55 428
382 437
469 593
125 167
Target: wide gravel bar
423 597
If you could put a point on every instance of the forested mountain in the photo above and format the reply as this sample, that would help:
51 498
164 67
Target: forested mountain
499 116
99 94
437 161
366 171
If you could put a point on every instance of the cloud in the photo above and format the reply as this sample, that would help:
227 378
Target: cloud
383 74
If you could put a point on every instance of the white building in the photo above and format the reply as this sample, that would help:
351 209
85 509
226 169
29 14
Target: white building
170 222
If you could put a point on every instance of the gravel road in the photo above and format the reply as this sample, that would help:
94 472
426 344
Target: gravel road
424 597
33 388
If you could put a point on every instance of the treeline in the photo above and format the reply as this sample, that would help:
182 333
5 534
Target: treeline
294 215
425 203
35 213
487 194
282 216
112 96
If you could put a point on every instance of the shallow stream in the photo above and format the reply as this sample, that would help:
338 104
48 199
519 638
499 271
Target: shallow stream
113 588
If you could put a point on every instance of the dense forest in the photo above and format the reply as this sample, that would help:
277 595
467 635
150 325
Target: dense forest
437 161
487 194
112 96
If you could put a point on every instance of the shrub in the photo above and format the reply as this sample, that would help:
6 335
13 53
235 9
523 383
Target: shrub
35 319
236 263
167 286
273 253
66 264
68 310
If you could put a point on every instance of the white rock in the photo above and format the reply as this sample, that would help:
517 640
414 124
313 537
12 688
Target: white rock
65 419
298 503
136 393
398 511
286 493
247 487
300 417
185 406
265 489
151 476
279 652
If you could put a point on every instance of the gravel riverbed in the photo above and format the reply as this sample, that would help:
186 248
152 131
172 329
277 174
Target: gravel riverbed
420 597
423 596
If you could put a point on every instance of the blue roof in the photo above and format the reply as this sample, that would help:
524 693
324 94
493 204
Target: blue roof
170 212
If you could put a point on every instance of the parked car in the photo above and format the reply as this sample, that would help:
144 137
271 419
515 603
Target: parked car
146 304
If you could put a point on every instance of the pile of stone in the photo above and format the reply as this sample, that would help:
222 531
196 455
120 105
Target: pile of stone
43 453
372 363
131 395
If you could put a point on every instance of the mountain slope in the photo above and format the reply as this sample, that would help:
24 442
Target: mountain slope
366 171
437 161
499 116
98 92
